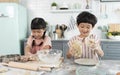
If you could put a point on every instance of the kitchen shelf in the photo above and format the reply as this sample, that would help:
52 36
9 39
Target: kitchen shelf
70 11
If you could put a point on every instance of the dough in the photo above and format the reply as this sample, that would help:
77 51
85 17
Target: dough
3 69
90 42
77 47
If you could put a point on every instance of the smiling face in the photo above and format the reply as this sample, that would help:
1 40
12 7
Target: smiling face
38 33
84 29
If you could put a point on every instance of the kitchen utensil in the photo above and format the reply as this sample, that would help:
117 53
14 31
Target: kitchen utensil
28 66
72 24
55 35
87 6
114 37
64 6
49 56
63 27
106 16
99 57
86 61
103 11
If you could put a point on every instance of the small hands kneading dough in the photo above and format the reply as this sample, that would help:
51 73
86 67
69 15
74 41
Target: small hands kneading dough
91 43
77 47
28 58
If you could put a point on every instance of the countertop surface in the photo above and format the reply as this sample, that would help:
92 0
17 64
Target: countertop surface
63 39
68 67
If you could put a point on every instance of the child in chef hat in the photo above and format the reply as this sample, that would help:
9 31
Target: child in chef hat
85 45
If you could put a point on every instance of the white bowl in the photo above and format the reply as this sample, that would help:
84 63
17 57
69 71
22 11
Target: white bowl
114 37
49 56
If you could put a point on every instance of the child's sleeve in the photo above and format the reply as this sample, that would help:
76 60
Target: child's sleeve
29 41
70 43
97 40
48 41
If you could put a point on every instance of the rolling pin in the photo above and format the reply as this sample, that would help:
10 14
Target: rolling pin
28 66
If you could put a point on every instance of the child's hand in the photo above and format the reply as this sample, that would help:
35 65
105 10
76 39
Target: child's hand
69 54
91 42
28 58
72 53
24 58
76 49
93 46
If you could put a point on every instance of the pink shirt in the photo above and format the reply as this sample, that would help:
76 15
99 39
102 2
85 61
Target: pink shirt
86 50
46 41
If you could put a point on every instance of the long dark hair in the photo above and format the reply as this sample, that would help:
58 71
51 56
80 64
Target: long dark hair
38 23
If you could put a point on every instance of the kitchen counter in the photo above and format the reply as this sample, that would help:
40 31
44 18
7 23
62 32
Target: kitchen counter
111 67
110 40
63 39
102 40
110 47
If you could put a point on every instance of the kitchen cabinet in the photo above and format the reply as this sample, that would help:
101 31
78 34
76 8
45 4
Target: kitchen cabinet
61 45
56 44
111 49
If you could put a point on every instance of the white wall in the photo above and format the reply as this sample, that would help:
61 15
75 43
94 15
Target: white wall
41 8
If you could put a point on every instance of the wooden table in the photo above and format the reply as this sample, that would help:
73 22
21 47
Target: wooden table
67 68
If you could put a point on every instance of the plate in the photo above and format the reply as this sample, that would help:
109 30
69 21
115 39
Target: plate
114 37
85 70
86 61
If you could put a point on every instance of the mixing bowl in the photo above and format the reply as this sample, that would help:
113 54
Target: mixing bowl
114 37
49 56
